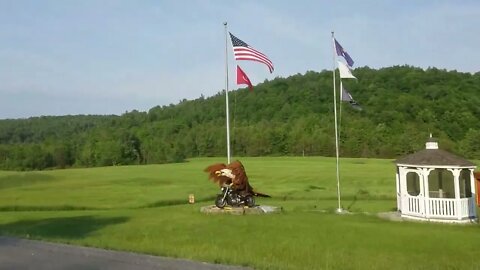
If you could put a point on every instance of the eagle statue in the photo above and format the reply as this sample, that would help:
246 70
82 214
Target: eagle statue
232 174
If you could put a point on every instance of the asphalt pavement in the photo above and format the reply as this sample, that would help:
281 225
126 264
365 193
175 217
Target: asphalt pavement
23 254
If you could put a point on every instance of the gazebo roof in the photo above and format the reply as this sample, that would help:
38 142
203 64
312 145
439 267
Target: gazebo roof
434 157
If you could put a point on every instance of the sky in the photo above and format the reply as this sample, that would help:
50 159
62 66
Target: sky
110 57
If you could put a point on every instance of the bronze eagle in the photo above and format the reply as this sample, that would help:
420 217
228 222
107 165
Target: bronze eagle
234 174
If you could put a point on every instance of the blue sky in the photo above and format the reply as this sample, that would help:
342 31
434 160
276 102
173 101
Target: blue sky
109 57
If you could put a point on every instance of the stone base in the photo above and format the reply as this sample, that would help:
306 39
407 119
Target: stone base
245 210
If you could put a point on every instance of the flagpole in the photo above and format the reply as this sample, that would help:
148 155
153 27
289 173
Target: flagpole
226 93
340 113
339 209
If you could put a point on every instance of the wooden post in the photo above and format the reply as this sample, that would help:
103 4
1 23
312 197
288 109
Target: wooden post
191 199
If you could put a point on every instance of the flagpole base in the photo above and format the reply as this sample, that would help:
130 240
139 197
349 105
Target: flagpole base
341 211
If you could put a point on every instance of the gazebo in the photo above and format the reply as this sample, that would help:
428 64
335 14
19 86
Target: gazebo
435 185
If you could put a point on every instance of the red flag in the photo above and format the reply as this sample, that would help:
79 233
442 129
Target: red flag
242 78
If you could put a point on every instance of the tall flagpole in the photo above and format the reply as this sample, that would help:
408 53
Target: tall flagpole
339 209
340 113
226 93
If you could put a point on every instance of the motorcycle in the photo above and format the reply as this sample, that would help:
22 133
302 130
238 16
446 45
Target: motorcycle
230 197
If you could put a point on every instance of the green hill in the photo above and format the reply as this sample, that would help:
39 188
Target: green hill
401 105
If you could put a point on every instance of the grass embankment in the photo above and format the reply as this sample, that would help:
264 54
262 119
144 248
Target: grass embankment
144 209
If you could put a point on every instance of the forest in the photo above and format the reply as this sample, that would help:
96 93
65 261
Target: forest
400 107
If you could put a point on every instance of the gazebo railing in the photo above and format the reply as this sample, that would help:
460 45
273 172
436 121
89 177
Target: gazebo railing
439 207
467 207
446 208
412 206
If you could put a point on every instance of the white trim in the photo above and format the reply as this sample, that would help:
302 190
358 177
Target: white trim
436 166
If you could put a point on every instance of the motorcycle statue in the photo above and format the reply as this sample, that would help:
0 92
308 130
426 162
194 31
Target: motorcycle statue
231 197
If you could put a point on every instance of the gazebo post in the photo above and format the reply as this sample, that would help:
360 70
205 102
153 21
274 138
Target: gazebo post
403 189
426 196
471 206
399 192
422 192
456 185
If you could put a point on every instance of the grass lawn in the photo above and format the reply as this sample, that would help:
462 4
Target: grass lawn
144 209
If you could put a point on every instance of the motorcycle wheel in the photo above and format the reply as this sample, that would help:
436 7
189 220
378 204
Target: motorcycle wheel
250 201
220 202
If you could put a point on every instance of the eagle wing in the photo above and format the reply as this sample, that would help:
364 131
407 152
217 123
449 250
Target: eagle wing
215 177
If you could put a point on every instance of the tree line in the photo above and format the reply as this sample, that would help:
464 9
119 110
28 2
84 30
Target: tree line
401 106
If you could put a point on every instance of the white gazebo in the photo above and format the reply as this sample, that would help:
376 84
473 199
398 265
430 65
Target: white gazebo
435 185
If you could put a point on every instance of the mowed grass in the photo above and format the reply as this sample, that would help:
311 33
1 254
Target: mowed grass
145 209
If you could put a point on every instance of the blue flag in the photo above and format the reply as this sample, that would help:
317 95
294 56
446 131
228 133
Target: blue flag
343 53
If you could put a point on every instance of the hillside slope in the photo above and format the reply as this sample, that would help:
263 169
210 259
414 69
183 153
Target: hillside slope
401 105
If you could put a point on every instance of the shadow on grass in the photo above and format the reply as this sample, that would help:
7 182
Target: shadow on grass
24 179
164 203
312 187
67 227
46 208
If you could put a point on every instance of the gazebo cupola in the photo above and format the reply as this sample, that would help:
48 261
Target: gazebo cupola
435 185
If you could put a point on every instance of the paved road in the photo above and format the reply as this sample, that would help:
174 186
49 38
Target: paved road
28 254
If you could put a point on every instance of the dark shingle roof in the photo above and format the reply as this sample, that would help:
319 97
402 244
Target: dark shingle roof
434 157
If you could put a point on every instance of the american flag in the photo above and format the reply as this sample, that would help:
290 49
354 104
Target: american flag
242 51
